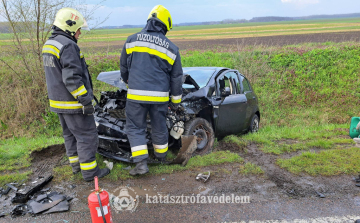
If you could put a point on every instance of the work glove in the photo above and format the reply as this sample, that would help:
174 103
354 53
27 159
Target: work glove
88 109
97 108
174 106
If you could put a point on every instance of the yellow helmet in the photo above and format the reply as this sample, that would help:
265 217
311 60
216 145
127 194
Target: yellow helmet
68 19
161 14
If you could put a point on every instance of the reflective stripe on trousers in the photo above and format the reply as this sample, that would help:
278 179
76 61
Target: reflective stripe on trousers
139 150
161 148
74 159
88 166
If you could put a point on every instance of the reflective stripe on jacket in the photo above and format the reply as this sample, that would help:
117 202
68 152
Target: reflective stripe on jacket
151 66
68 81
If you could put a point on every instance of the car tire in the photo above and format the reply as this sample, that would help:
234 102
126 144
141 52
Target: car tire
205 133
254 124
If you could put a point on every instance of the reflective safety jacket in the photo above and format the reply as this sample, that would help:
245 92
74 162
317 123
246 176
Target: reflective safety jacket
151 66
67 77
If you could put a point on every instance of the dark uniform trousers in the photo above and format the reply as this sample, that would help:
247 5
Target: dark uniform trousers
136 129
81 141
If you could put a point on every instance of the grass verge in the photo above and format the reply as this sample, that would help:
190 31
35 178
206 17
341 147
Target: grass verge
327 163
250 168
15 152
15 177
118 173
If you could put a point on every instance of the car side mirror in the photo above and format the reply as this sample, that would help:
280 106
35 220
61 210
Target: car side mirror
225 92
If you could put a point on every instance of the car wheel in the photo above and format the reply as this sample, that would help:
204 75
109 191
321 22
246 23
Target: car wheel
255 124
204 132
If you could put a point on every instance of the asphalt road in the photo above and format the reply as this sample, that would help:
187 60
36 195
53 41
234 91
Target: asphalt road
284 210
268 202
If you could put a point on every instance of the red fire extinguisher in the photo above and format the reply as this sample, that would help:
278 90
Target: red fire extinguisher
98 202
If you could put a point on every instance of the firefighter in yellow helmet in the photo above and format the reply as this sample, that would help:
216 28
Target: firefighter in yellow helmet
70 92
151 66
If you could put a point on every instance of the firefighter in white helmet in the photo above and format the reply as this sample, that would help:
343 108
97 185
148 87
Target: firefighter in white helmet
70 92
151 66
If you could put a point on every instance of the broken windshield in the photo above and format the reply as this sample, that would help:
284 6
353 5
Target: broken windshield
200 75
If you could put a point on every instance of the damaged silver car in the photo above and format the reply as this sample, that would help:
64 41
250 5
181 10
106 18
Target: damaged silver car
216 102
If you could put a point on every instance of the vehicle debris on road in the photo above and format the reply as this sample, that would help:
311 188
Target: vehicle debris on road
50 203
203 176
23 198
36 200
320 194
19 210
109 164
43 204
12 187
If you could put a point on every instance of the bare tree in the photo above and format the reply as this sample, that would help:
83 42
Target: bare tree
30 24
29 21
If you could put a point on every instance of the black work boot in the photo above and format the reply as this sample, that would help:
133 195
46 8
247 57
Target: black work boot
100 173
162 160
140 168
75 167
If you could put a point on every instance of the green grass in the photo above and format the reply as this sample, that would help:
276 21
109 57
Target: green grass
279 148
327 163
64 173
118 172
9 178
15 152
250 168
234 139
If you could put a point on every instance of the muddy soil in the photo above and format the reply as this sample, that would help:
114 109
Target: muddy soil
274 185
44 161
234 43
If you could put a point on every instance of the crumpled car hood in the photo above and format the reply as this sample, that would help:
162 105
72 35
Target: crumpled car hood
113 78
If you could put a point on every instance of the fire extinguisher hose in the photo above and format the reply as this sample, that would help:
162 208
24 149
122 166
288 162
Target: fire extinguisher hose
101 208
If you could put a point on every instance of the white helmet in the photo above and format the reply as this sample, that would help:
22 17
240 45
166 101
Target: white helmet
70 20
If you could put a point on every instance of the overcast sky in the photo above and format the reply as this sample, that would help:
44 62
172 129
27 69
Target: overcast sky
135 12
